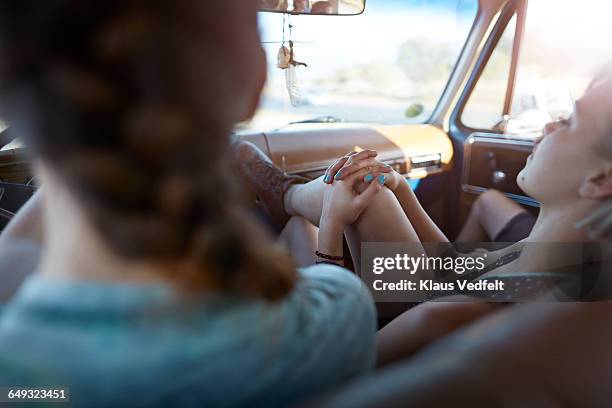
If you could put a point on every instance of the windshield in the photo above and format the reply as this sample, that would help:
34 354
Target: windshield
388 65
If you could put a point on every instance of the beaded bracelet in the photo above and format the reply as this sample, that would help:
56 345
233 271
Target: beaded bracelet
329 257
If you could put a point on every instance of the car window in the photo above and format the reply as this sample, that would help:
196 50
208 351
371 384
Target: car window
389 65
563 48
485 106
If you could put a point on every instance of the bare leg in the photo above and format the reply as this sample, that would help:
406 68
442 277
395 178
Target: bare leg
383 221
300 237
472 230
489 214
306 200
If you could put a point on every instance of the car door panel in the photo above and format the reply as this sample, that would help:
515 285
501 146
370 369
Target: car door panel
492 161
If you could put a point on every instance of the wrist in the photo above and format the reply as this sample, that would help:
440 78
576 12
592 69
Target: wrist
331 222
330 238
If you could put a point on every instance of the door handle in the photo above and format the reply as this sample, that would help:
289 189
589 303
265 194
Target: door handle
499 177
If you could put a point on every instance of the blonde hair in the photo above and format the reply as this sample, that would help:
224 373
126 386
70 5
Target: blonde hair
599 223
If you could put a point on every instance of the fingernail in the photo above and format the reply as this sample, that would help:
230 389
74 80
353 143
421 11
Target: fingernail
381 179
327 178
368 179
338 175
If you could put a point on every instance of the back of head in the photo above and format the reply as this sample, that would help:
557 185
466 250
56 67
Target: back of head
130 103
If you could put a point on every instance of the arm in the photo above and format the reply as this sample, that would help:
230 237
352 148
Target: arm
342 205
27 223
21 246
522 356
330 237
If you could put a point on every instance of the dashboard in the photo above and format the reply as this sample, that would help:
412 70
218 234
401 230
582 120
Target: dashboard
415 151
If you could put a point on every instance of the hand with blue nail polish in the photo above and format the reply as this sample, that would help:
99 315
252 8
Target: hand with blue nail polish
390 180
334 172
343 201
366 161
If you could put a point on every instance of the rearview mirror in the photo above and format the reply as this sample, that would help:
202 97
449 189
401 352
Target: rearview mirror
314 7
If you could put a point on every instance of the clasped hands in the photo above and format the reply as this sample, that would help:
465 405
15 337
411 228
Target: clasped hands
353 181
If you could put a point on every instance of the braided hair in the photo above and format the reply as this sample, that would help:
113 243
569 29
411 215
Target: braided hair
93 87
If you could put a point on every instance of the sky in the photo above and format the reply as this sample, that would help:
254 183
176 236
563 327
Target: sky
566 40
375 35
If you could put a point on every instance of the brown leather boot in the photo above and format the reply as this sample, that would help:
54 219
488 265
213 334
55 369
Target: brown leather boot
266 179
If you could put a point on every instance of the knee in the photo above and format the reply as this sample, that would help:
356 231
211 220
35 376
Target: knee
381 204
295 223
383 199
487 200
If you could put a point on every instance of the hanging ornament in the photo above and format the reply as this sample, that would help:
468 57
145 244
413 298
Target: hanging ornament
287 62
284 58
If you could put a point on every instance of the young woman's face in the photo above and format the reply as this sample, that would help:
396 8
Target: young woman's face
571 151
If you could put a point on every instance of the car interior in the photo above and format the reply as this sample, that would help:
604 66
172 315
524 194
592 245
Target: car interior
451 151
452 161
462 122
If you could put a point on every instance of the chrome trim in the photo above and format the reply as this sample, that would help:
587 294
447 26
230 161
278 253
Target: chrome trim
426 158
495 138
515 197
324 167
418 173
6 214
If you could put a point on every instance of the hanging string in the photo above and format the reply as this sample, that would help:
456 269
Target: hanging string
287 62
284 23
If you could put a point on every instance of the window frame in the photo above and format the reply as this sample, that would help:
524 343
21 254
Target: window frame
513 8
451 78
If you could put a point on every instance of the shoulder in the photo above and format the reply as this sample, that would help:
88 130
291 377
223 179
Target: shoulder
332 309
334 281
333 296
18 259
330 273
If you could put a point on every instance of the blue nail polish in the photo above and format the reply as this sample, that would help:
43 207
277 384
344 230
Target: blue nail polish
338 175
381 179
327 178
368 179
